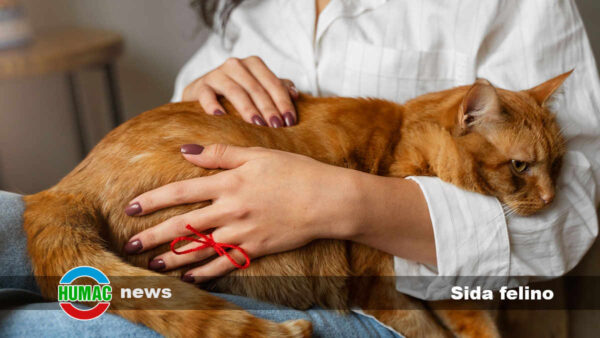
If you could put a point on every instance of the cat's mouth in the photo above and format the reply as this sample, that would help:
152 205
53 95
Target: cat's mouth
524 207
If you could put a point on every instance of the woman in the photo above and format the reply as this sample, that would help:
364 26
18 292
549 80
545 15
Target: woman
395 50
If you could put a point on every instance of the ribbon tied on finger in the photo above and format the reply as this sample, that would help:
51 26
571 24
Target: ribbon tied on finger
207 241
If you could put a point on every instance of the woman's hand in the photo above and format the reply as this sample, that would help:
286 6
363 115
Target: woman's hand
257 94
271 201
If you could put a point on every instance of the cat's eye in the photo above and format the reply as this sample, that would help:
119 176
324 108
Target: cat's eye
519 166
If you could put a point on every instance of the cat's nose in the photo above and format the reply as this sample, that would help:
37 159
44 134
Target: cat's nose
547 197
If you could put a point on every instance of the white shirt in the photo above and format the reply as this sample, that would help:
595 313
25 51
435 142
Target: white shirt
399 49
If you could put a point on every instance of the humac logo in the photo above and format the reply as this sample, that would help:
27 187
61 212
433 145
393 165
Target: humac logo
69 294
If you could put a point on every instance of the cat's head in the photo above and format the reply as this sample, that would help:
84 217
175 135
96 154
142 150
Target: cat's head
516 142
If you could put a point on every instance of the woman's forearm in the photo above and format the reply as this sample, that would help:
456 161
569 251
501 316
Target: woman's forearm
271 201
389 214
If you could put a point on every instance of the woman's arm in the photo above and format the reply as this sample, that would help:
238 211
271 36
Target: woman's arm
394 218
272 201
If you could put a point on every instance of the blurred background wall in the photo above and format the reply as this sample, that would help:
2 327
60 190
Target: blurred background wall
37 132
38 142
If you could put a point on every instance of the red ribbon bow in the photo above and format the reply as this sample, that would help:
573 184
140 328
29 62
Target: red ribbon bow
208 241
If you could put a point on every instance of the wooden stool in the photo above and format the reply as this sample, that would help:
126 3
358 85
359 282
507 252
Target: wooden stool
67 51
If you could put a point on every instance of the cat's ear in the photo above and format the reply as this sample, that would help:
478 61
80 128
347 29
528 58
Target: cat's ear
541 93
480 106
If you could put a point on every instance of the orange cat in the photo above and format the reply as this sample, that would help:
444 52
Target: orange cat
487 140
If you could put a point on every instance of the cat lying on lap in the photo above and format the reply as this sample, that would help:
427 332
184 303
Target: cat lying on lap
484 139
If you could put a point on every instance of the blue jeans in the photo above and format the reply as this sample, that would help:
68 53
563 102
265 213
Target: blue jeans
32 319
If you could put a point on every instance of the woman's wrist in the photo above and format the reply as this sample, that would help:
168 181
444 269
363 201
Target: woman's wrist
389 214
339 214
365 212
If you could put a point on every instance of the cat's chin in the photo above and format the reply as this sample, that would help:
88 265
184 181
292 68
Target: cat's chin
523 208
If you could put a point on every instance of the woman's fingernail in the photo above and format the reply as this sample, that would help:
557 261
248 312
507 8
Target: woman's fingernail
133 247
156 265
188 278
289 119
192 149
276 122
133 209
294 91
219 112
259 121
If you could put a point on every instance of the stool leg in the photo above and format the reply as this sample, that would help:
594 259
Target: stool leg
75 106
1 181
113 93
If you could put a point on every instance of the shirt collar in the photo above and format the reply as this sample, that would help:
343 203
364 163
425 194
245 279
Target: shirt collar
303 15
356 7
338 8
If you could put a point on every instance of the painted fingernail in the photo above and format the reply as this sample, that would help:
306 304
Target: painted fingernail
294 91
289 119
156 264
276 122
188 278
219 112
133 209
133 247
259 121
192 149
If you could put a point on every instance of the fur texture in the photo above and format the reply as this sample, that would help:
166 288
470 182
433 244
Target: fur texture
468 136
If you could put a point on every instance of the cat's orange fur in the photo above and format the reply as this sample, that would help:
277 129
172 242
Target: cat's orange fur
466 135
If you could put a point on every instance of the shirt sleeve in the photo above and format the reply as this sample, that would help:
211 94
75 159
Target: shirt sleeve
473 235
208 57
